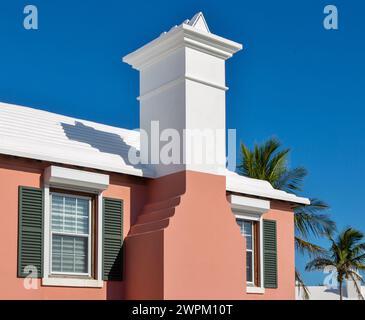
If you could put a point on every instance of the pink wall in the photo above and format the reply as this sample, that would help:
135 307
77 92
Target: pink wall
195 249
184 242
17 172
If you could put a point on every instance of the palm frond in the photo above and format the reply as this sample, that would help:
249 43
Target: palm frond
306 247
301 285
319 263
355 277
309 221
291 180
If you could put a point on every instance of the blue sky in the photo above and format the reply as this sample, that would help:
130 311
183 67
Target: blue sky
294 80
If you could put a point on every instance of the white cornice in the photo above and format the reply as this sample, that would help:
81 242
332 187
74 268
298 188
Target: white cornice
179 37
249 205
61 176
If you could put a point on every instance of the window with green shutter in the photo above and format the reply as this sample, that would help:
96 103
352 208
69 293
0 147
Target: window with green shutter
112 239
30 232
270 254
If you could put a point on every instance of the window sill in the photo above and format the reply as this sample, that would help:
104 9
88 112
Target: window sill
257 290
71 282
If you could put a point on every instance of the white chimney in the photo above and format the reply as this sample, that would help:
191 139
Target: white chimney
182 86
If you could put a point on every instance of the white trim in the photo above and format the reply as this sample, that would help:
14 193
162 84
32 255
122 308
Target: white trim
249 205
72 282
47 279
260 188
252 250
175 82
46 234
259 219
257 290
183 35
61 176
99 252
261 254
88 236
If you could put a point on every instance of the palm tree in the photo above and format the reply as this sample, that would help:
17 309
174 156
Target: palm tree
268 162
346 255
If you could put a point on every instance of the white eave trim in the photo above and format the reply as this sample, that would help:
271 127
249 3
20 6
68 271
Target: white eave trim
118 169
248 205
258 188
65 177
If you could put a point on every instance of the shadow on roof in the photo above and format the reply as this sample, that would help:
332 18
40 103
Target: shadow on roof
104 141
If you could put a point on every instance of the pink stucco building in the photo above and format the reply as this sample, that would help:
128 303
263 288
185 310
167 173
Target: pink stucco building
81 219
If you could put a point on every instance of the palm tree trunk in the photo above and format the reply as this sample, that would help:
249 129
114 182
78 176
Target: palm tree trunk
340 282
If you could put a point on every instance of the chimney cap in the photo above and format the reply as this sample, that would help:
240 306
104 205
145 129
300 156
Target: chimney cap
198 22
192 33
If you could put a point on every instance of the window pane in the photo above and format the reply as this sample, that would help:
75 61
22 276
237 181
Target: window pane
70 214
69 224
82 216
69 254
248 242
248 228
249 266
57 213
56 253
81 255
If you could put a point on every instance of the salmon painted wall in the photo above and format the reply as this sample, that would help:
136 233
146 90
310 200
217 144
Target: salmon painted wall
181 239
195 249
20 172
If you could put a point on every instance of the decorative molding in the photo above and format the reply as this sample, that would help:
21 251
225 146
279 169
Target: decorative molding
174 83
182 36
65 177
249 205
199 22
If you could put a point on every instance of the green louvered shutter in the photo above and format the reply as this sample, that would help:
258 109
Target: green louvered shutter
30 231
112 239
270 254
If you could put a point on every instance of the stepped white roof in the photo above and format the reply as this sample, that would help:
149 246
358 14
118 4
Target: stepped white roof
42 135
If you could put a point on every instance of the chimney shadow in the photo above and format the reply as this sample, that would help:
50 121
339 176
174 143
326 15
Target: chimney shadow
105 142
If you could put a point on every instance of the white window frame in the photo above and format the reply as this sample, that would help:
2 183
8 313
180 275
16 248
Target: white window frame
89 236
252 209
79 181
254 218
252 250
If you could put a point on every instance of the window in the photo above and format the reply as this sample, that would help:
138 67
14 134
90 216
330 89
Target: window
71 239
72 247
249 229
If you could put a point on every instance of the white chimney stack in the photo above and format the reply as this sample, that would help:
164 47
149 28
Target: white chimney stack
182 87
